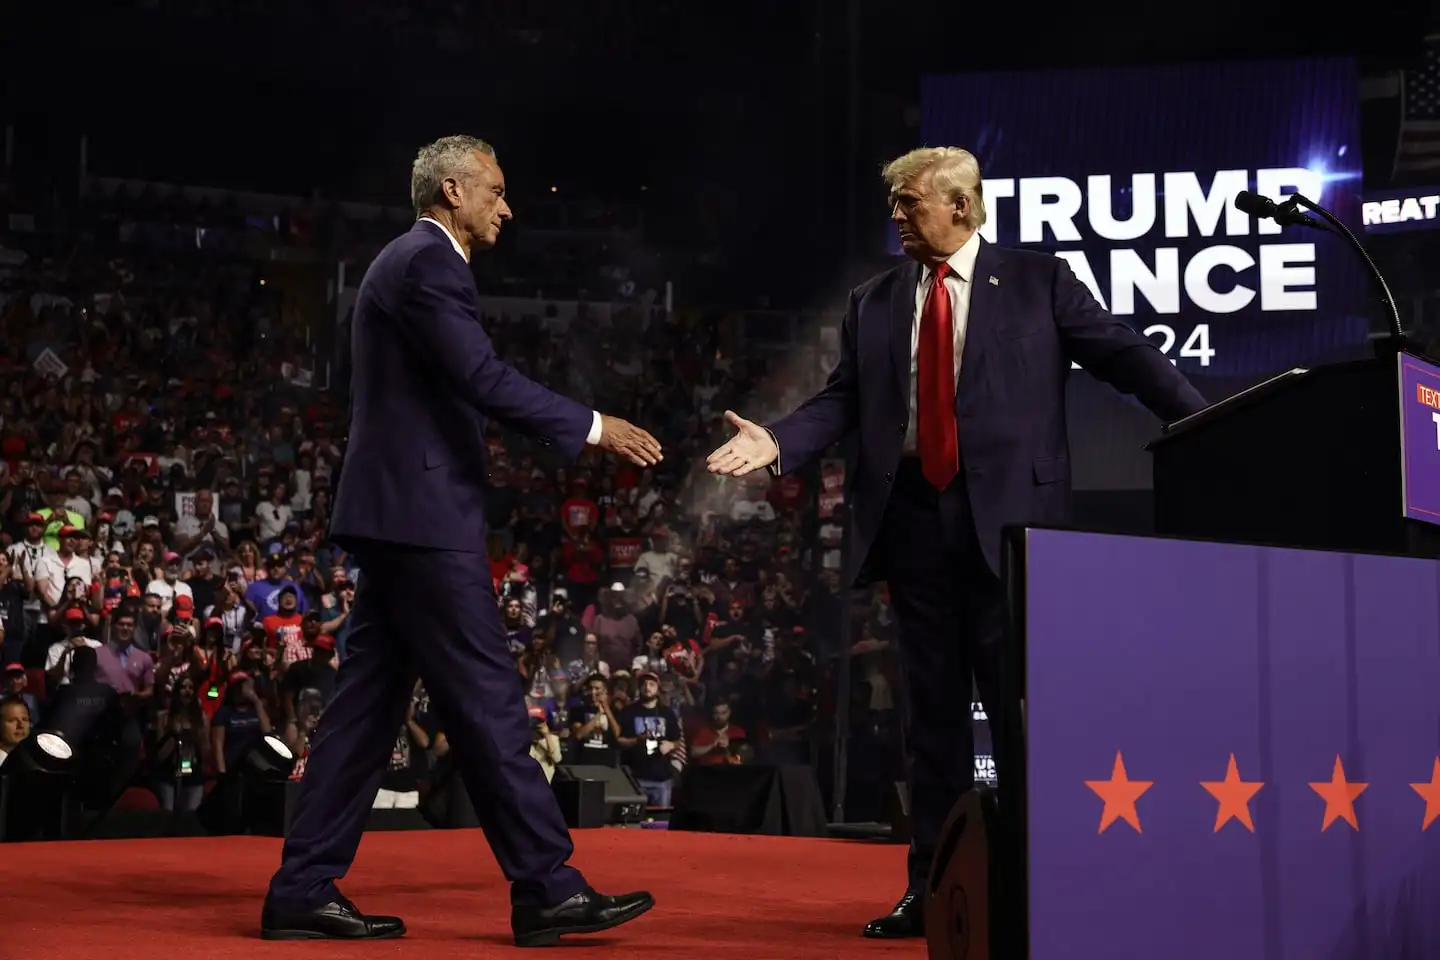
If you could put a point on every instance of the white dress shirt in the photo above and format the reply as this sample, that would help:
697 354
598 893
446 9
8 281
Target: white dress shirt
957 285
596 427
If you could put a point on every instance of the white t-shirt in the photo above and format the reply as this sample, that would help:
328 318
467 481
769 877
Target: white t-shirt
31 556
167 592
659 565
745 511
60 650
81 506
53 572
272 520
189 525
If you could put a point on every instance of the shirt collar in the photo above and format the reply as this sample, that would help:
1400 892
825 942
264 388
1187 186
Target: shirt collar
456 243
962 261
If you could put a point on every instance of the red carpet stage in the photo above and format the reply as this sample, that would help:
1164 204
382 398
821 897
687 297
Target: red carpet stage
719 896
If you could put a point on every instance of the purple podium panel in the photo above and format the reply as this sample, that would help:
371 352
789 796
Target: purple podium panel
1232 751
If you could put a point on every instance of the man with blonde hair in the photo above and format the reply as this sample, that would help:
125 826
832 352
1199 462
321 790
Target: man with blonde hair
952 378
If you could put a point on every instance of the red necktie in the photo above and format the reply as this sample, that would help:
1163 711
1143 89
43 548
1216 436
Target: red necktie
935 390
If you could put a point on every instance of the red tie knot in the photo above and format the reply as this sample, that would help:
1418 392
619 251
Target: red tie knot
942 270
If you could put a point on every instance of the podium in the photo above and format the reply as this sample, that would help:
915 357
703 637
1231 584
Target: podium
1208 731
1341 457
1225 750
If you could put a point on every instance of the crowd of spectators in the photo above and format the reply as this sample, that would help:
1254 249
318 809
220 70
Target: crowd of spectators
660 28
583 247
165 485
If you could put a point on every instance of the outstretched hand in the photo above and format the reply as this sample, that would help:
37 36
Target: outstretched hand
623 438
752 448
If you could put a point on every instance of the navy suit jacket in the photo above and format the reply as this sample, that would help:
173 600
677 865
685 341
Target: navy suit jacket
424 380
1029 317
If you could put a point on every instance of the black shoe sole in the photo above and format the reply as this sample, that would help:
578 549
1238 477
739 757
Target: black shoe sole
551 935
313 935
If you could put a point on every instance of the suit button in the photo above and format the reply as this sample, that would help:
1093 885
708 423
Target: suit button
900 430
887 478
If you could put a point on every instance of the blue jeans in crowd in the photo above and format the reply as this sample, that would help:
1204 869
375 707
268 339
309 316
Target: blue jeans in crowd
657 792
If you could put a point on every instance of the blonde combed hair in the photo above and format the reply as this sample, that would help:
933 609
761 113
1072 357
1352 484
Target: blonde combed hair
955 173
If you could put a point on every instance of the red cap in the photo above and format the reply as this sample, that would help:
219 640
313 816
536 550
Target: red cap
68 531
648 673
184 608
107 518
239 676
537 712
35 518
324 642
14 668
171 556
74 613
215 622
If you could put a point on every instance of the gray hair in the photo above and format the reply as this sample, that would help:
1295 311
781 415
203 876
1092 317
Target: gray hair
445 159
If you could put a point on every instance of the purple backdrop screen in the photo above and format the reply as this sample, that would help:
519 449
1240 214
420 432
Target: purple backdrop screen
1420 437
1232 751
1129 173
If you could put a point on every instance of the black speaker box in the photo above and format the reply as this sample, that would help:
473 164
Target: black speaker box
624 800
581 801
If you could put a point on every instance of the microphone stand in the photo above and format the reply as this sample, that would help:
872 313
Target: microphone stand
1396 342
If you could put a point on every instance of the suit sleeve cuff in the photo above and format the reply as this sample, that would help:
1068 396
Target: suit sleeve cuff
774 468
596 430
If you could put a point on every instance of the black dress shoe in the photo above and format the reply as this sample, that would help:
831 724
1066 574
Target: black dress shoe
336 920
586 912
906 920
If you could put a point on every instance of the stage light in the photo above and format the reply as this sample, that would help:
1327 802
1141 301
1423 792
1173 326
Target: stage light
268 761
251 798
33 783
45 752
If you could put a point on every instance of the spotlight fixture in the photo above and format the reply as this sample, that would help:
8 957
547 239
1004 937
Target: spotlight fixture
268 761
251 798
33 782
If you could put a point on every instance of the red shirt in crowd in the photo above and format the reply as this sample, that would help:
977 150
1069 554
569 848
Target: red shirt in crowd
582 563
787 492
624 551
706 736
282 631
579 513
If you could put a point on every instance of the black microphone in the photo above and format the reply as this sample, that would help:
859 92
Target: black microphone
1289 212
1264 208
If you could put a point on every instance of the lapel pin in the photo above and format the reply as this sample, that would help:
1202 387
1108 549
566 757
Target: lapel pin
994 281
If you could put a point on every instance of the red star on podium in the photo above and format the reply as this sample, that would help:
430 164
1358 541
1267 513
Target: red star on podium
1234 795
1339 796
1431 792
1119 794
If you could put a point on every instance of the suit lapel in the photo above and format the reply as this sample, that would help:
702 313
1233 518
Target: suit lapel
902 322
981 319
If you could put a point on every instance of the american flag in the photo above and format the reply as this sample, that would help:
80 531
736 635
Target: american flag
1419 147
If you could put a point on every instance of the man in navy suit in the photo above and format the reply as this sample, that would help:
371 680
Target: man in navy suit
951 379
424 381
